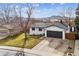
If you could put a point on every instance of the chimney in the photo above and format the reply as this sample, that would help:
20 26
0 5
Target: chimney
61 21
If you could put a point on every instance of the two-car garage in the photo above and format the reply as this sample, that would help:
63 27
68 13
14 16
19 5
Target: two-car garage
55 32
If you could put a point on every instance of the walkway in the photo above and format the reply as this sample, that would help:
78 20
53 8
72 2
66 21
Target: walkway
76 51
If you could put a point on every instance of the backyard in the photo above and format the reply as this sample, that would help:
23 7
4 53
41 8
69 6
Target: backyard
17 41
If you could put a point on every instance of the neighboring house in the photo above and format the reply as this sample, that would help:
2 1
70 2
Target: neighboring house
13 29
38 28
4 32
8 29
54 20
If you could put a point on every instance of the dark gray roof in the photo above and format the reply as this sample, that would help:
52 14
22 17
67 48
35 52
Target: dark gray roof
65 24
61 25
42 25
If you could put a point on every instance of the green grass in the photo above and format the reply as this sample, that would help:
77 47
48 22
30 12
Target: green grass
17 41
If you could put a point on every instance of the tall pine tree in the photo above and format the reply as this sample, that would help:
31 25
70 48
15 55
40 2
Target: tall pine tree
77 18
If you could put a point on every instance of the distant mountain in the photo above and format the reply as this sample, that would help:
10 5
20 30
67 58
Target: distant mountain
56 17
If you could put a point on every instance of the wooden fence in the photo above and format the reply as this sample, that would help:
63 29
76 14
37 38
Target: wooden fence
70 36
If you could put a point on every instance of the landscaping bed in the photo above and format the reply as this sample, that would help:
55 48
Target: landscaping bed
17 41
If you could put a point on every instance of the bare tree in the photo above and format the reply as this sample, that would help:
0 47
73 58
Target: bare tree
17 17
62 13
69 13
5 13
2 15
29 13
66 14
25 26
15 13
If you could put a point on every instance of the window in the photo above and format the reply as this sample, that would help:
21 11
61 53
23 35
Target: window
33 29
40 29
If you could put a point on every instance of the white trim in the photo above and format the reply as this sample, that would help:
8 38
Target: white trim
63 35
45 32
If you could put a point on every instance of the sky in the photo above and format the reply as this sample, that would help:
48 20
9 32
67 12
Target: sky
42 10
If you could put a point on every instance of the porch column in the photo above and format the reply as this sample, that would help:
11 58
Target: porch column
45 32
63 35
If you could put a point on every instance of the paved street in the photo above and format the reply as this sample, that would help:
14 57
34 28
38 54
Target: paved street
12 52
7 53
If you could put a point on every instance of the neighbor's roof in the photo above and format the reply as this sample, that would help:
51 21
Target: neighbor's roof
42 25
8 26
2 27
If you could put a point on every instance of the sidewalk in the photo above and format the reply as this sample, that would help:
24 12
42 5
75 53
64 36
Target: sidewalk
76 52
27 51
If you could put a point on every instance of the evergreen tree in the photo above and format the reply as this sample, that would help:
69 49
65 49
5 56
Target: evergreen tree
77 17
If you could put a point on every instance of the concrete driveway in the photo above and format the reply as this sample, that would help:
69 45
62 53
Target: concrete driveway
56 46
44 46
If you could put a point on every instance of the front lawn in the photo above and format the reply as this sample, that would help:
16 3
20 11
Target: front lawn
18 41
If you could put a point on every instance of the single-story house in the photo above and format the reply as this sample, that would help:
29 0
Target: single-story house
56 30
38 28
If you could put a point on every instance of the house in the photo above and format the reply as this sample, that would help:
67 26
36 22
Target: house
13 29
58 30
4 32
55 30
54 20
38 28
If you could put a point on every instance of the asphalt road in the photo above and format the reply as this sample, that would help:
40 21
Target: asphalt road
8 52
